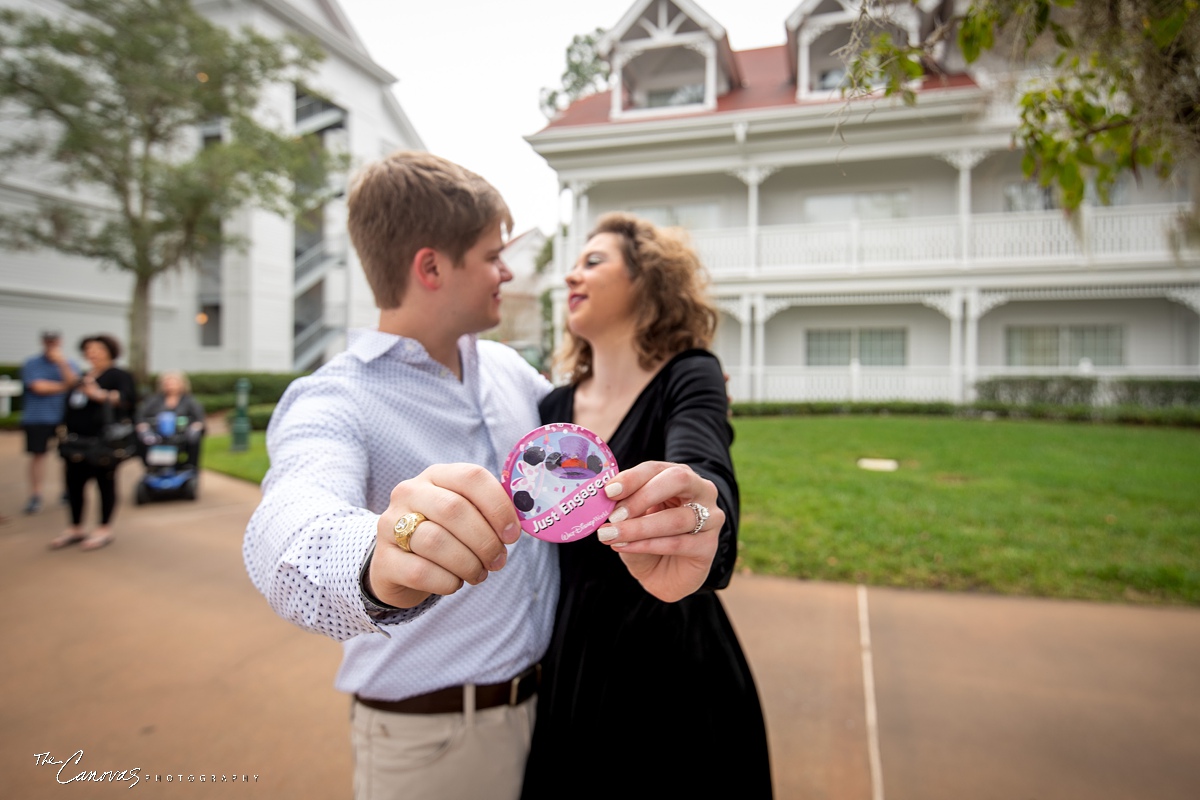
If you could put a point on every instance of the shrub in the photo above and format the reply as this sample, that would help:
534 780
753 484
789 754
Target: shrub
1055 390
260 415
1155 392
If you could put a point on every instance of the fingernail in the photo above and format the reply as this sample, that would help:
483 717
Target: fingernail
607 533
481 577
613 490
511 533
619 515
498 562
619 544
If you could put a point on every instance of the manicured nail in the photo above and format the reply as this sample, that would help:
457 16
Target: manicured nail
619 515
607 533
498 562
613 490
619 544
511 533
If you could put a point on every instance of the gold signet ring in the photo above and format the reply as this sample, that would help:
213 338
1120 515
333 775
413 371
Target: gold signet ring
406 526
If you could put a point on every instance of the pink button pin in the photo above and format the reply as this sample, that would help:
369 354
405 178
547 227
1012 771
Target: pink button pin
555 476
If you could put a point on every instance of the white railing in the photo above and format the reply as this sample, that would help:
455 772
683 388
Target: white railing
1141 233
919 384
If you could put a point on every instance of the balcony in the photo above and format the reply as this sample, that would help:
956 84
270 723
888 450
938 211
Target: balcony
1094 236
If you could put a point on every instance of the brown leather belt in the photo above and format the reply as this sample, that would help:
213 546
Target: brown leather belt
450 699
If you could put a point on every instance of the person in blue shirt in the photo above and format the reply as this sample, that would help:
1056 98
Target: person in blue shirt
48 377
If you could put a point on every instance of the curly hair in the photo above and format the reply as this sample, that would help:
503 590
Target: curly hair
109 342
670 287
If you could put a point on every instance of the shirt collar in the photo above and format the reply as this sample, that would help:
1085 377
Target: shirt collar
367 344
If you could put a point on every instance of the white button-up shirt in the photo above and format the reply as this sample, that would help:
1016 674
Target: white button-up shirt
339 441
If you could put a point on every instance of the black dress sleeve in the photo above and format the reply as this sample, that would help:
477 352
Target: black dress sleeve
121 381
698 433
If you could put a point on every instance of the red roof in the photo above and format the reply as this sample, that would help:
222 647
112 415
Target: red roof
766 83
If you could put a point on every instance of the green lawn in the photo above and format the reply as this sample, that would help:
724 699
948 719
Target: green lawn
1098 512
250 464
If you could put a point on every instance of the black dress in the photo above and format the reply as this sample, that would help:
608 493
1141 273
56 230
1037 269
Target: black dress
642 698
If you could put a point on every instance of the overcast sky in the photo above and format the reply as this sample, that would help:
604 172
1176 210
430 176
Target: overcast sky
470 70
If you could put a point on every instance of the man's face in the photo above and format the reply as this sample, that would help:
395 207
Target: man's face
50 343
474 285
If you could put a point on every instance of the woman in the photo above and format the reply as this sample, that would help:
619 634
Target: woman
105 393
643 658
185 414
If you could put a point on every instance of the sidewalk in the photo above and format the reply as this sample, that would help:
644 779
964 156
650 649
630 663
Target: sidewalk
157 653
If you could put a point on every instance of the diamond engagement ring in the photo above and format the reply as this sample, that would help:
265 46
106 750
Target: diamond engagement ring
701 513
406 526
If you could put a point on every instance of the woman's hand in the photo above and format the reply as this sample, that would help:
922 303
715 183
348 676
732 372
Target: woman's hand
652 528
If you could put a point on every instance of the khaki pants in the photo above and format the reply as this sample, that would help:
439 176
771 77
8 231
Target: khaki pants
475 754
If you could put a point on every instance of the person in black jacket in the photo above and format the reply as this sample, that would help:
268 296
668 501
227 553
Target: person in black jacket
104 393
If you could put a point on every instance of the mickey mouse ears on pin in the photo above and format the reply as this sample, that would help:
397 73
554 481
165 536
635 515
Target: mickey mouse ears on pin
555 476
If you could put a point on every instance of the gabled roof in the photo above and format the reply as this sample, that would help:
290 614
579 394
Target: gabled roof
766 83
611 40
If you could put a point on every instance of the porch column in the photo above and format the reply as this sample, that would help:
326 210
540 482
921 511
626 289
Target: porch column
753 176
951 306
964 161
760 349
978 304
1188 297
579 220
561 257
617 84
746 304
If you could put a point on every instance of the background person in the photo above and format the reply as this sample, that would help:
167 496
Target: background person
103 385
644 666
47 377
174 397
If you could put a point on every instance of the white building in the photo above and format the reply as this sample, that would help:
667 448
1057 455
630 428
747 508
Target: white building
521 298
285 301
904 257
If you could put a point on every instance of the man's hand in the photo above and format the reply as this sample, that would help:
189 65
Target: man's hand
469 520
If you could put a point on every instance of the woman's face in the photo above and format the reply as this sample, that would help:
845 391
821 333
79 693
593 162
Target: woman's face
97 354
171 384
599 290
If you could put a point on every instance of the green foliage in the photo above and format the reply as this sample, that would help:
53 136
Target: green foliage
250 464
1096 512
217 391
1120 92
1057 390
1156 392
586 73
117 92
260 416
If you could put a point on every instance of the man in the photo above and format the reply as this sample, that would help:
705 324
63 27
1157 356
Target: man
48 377
367 530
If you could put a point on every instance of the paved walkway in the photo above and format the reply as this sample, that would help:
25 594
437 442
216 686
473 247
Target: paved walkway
156 653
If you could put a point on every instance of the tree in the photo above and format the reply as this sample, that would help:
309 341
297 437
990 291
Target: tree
586 73
1115 89
114 94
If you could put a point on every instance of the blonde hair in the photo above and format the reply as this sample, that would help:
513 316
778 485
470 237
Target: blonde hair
411 200
180 376
670 288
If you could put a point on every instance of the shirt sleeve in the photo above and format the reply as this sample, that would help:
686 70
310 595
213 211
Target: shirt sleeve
306 543
698 434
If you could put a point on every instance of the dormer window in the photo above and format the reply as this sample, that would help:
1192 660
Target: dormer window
818 29
683 96
667 56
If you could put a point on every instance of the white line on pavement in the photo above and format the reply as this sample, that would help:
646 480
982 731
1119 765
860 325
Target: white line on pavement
868 667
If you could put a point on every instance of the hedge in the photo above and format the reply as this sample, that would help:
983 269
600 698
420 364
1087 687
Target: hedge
1057 390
